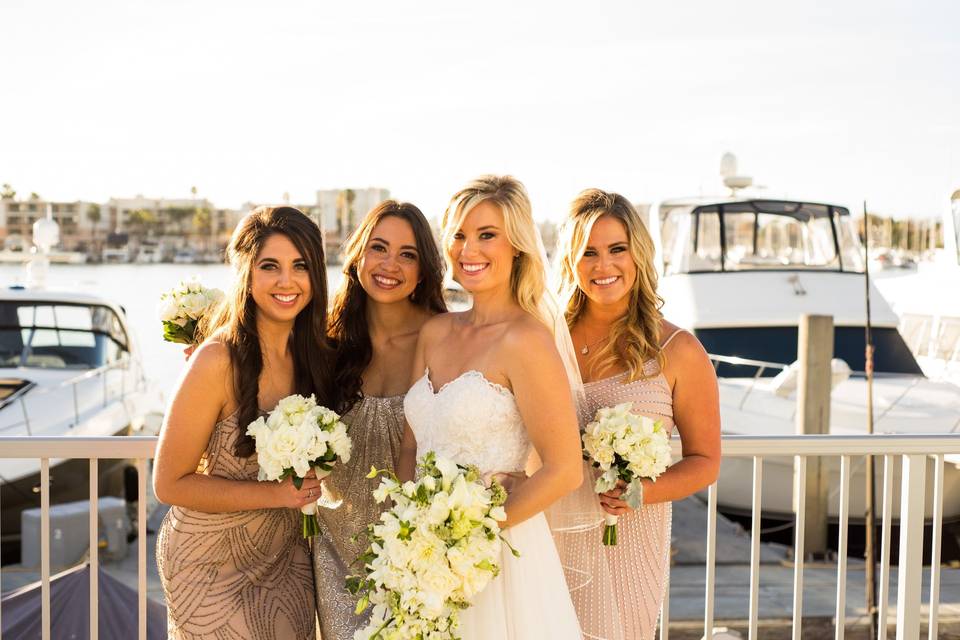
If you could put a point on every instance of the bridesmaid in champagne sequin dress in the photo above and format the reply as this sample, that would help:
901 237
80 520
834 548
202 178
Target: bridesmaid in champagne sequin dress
392 284
231 558
627 352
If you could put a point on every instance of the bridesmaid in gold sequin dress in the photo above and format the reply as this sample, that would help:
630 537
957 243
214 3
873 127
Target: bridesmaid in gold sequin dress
231 558
393 282
627 352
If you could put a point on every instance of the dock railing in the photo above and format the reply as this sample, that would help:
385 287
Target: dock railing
915 451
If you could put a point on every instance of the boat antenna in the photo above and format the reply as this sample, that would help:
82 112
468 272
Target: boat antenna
869 524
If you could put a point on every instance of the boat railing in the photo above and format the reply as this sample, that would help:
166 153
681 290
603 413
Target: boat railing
760 367
932 336
916 452
132 379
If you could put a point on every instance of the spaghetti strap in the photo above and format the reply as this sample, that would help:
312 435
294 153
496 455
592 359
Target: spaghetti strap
667 341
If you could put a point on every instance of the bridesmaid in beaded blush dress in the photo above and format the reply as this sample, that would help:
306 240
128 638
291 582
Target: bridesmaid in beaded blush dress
393 283
231 558
627 352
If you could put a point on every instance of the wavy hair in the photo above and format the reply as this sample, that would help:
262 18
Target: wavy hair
235 322
348 318
634 338
528 277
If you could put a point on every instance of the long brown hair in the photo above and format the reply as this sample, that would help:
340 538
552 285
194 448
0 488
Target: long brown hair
236 322
348 318
634 338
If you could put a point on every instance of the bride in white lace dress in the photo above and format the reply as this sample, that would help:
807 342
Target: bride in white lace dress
491 390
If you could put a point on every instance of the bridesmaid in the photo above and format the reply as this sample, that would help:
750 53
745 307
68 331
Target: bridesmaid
230 554
627 352
393 283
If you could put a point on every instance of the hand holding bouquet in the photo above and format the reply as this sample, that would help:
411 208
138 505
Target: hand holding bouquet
296 437
628 447
436 548
182 308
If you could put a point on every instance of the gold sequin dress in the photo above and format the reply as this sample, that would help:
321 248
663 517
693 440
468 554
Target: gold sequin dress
238 575
376 428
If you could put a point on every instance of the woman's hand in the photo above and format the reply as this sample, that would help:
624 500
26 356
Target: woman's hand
510 480
611 502
292 498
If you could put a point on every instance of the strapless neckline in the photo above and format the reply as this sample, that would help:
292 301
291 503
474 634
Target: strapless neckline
469 373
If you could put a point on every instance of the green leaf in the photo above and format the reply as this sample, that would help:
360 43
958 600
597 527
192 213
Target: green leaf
297 482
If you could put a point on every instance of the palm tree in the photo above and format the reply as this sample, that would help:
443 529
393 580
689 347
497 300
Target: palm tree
7 192
94 215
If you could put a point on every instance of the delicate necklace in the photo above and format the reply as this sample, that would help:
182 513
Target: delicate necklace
586 348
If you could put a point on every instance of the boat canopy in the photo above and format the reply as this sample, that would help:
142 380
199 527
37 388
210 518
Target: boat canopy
745 235
53 335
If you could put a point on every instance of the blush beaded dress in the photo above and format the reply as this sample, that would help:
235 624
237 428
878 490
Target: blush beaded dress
235 575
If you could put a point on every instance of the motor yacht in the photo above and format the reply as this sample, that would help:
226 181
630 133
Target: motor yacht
739 272
69 366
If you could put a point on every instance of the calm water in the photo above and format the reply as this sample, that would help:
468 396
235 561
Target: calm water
137 288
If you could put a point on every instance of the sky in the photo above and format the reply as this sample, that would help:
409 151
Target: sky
836 102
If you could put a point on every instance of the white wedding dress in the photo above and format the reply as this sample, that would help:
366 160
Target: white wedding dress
474 421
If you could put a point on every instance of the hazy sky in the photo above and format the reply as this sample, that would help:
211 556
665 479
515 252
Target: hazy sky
248 100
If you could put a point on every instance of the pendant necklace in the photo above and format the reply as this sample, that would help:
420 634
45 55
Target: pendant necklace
586 348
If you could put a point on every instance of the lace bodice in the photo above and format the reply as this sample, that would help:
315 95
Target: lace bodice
469 420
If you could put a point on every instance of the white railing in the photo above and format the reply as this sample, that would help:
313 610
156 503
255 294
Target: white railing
914 451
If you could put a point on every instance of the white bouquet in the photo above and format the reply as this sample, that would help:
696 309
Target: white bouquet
297 436
432 551
181 308
625 446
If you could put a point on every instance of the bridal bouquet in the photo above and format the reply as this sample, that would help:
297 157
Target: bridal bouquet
432 551
181 308
297 436
625 446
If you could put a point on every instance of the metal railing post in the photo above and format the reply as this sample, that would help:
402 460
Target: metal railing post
910 565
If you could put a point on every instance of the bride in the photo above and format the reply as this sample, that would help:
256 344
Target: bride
490 390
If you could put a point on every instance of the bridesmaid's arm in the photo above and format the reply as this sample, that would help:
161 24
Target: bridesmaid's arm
543 396
696 412
201 398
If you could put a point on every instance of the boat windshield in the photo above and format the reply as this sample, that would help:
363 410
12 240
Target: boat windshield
59 336
759 235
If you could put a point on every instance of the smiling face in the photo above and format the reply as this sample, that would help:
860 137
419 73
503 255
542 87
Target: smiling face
606 273
280 280
389 268
479 250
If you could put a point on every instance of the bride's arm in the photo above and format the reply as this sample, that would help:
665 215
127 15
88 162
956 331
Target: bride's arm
407 457
543 396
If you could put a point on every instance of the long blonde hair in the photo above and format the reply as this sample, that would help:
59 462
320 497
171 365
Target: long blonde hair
634 338
528 277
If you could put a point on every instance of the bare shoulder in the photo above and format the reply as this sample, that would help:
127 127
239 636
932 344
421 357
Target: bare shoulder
437 326
683 351
210 360
526 333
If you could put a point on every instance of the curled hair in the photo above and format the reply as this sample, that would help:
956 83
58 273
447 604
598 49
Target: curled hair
349 328
528 277
235 323
634 338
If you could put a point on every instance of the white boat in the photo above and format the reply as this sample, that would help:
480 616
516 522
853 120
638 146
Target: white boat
113 255
185 255
149 253
739 272
928 305
69 366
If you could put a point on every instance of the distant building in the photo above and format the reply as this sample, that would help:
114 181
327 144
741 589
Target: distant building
81 223
340 210
179 221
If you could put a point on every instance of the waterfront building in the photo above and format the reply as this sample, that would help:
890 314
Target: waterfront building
339 211
81 223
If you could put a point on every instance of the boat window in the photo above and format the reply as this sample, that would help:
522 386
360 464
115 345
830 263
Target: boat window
691 241
779 345
778 238
758 235
59 336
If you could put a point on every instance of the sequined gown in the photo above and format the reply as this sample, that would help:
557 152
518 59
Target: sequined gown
238 575
638 565
376 428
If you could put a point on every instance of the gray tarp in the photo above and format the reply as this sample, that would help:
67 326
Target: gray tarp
70 609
